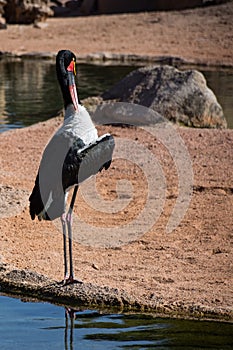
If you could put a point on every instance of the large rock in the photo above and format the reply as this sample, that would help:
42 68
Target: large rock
2 20
2 4
27 11
180 96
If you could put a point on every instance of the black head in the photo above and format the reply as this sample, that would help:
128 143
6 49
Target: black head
66 70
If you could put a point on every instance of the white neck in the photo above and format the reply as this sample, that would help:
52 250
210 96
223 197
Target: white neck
79 124
69 111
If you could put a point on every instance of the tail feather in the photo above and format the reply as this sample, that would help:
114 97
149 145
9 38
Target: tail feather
36 205
49 209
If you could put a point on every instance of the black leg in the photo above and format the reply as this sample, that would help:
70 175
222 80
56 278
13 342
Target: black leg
66 219
63 222
69 226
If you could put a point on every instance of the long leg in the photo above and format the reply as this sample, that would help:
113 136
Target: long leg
63 222
69 226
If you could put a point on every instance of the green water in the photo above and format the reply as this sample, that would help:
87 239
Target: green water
46 326
29 91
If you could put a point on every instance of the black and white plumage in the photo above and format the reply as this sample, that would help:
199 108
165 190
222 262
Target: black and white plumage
73 154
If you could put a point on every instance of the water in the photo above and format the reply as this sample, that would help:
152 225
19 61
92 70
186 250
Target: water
46 326
221 82
29 91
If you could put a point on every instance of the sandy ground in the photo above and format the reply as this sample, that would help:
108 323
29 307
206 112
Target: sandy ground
202 35
192 265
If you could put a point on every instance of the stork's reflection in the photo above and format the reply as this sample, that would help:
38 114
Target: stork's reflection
70 315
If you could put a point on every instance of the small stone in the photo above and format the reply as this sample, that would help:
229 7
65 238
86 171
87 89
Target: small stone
40 25
95 266
217 251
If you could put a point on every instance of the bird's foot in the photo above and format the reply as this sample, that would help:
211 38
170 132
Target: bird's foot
70 280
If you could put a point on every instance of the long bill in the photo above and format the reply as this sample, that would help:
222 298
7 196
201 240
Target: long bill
73 89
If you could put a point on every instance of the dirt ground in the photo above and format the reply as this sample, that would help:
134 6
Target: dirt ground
192 265
203 35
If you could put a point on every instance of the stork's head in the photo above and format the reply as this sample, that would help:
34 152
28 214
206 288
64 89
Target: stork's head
66 71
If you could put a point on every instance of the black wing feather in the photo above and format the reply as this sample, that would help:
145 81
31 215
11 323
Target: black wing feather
49 178
65 163
80 165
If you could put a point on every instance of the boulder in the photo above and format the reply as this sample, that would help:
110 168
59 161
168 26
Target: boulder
27 11
2 20
2 4
180 96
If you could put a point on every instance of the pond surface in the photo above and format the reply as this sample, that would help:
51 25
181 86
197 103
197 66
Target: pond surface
27 325
29 91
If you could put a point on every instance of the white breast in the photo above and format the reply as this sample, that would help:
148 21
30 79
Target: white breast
79 124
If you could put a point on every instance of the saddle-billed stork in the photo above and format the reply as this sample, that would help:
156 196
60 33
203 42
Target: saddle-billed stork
73 154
